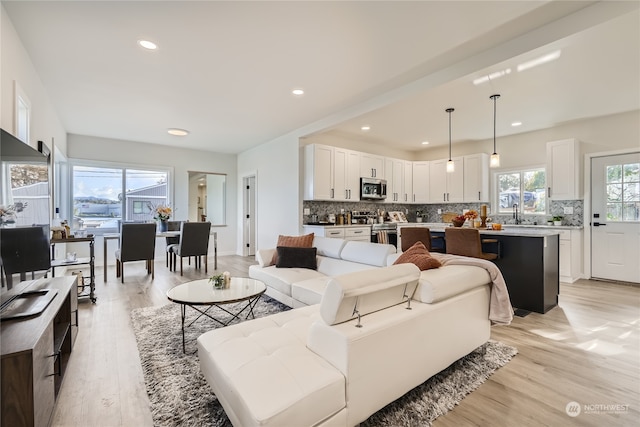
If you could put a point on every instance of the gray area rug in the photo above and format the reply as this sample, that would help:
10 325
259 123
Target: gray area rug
180 395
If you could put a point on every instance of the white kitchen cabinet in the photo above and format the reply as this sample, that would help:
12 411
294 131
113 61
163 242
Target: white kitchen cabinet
346 174
446 187
360 233
371 166
563 170
420 182
331 173
319 163
407 187
394 173
570 248
476 178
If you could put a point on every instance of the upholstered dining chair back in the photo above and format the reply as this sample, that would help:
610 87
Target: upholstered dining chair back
466 242
172 240
194 241
137 243
411 235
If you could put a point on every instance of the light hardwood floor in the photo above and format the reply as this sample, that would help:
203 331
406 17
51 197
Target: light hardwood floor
586 350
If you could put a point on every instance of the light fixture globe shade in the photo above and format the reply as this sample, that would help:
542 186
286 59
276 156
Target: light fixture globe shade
451 167
494 160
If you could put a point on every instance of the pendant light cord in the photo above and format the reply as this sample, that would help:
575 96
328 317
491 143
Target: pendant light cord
494 97
449 110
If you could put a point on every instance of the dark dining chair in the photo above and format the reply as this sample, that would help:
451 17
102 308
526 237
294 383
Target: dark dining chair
194 242
466 242
172 240
137 243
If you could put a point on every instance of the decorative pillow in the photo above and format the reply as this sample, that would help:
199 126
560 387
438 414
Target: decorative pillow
305 241
418 255
291 257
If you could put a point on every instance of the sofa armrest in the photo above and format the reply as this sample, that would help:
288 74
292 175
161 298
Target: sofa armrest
265 256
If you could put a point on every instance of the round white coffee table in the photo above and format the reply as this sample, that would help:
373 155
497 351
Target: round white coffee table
202 293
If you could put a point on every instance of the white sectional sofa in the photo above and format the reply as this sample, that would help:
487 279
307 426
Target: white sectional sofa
299 287
314 366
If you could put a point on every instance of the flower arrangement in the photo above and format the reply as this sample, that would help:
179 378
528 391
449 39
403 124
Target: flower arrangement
160 212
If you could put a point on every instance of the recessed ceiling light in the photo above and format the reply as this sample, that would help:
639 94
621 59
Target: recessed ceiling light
298 92
516 124
178 132
365 128
425 142
148 44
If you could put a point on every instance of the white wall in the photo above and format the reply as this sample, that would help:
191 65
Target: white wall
278 190
181 160
16 66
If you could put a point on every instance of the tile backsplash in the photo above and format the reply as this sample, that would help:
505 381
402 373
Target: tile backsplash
430 211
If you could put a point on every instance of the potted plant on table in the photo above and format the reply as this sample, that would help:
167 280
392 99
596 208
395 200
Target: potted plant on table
162 214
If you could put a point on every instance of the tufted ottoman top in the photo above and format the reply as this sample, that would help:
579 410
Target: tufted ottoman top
264 375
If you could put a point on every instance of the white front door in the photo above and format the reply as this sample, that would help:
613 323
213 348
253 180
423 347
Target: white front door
249 213
615 217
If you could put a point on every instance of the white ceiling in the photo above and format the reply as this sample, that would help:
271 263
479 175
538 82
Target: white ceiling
225 70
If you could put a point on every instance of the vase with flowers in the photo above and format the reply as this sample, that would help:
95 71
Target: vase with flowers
162 214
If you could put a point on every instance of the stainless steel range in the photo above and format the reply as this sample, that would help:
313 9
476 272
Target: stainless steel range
387 232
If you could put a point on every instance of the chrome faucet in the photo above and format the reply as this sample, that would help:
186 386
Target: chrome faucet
517 219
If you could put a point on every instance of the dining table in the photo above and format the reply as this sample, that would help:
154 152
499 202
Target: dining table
116 236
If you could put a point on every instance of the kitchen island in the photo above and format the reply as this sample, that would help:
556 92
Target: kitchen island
529 262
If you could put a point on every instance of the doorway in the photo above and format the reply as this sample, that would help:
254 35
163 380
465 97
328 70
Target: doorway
615 217
249 215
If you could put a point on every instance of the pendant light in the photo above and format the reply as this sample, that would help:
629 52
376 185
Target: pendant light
450 166
494 161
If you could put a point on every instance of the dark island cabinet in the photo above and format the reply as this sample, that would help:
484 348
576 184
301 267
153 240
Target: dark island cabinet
530 266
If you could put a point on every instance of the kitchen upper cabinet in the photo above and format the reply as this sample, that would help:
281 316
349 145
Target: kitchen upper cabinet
371 166
348 186
407 188
476 178
563 170
394 173
420 182
319 161
446 187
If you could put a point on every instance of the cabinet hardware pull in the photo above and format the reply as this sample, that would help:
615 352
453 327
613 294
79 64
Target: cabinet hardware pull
444 197
332 193
479 196
548 191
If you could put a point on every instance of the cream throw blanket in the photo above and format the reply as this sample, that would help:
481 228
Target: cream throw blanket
500 309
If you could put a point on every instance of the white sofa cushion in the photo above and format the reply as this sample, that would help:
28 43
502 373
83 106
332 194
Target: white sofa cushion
265 257
309 291
367 253
335 267
442 283
281 278
328 246
264 375
367 291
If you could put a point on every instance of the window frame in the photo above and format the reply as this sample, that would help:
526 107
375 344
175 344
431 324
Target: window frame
124 167
521 171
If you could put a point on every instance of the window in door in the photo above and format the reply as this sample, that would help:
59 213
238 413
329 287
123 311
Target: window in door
526 188
623 192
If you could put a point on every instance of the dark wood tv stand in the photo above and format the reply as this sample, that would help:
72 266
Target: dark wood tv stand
35 354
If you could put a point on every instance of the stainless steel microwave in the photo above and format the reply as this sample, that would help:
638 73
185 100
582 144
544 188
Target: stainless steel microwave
373 189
